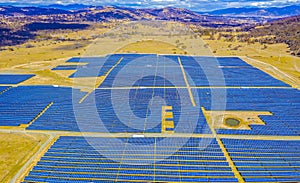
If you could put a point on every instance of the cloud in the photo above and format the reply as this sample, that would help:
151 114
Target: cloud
200 5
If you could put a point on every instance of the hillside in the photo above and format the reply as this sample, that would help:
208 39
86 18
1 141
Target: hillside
285 30
18 24
80 13
102 13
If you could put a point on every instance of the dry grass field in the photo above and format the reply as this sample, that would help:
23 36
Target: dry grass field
151 46
143 33
15 150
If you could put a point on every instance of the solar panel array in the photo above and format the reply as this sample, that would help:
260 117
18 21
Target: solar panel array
201 70
73 159
130 100
231 72
20 105
265 160
61 115
145 71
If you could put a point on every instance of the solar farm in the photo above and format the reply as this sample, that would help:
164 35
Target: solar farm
158 118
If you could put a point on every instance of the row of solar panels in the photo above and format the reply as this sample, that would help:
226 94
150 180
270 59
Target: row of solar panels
176 165
3 88
222 61
268 161
8 79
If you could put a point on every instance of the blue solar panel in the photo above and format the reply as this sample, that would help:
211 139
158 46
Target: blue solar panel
66 67
84 59
14 78
231 61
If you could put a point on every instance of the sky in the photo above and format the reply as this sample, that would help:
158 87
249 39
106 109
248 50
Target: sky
199 5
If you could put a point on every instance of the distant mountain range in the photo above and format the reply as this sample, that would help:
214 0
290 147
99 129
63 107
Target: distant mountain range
254 11
99 13
79 8
30 11
68 6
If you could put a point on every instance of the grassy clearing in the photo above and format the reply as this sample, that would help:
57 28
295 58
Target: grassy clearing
136 35
42 51
218 119
151 46
47 76
15 150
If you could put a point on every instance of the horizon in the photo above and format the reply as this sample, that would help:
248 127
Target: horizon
199 5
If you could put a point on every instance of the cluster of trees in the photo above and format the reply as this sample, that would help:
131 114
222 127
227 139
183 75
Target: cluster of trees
285 30
11 36
282 31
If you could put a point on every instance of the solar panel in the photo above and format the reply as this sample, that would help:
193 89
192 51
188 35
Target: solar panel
14 78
